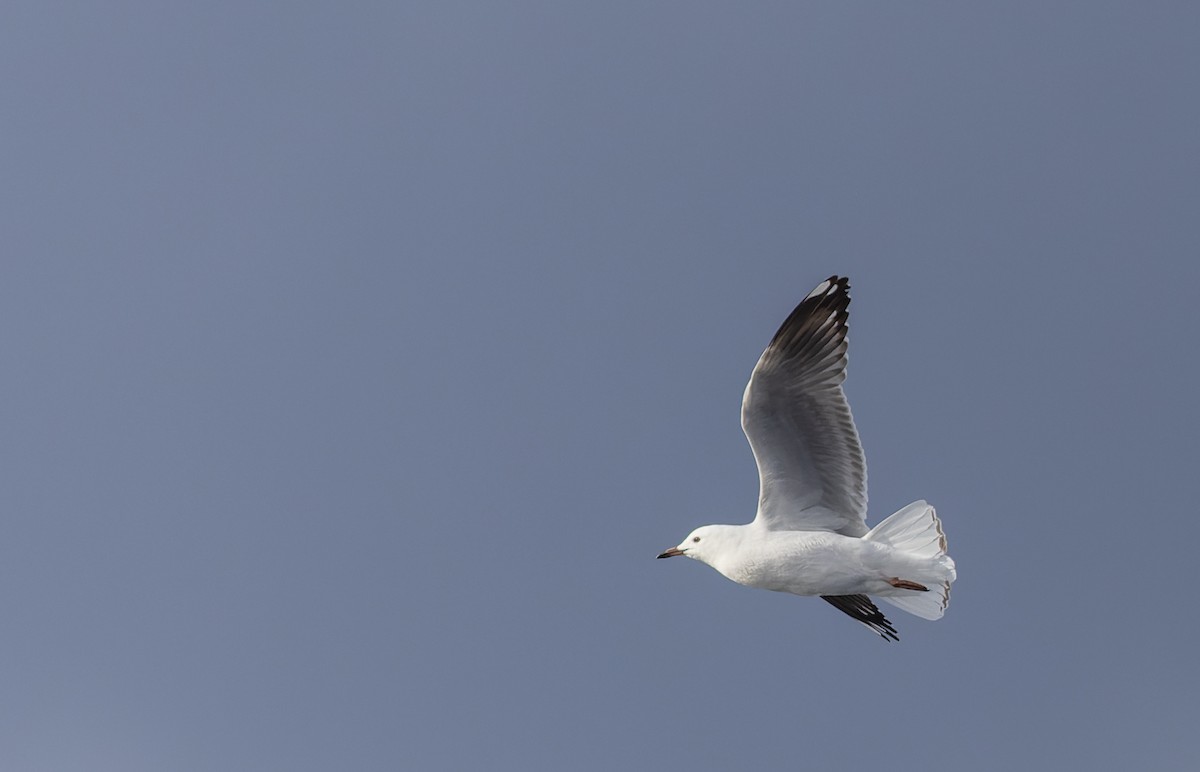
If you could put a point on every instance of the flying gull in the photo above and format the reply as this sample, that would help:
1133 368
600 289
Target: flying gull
810 536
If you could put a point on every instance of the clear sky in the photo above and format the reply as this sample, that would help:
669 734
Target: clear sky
360 357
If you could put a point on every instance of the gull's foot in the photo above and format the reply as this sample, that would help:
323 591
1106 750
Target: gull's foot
904 584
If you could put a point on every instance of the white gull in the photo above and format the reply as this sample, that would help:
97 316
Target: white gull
810 535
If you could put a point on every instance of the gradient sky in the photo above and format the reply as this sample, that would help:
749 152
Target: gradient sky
360 357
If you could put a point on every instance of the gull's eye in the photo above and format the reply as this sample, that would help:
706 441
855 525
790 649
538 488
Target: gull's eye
695 538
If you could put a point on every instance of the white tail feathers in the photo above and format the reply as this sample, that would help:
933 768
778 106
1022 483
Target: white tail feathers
917 531
914 529
927 605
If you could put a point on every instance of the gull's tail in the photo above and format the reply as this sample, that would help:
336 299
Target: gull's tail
916 531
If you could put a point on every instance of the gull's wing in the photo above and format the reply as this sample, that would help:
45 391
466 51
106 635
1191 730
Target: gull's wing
811 470
861 608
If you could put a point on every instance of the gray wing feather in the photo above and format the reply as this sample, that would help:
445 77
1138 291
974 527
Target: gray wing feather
812 473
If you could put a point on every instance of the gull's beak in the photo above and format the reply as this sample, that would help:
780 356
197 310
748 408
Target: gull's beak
671 553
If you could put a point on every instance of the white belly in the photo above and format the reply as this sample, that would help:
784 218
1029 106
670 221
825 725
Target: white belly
815 563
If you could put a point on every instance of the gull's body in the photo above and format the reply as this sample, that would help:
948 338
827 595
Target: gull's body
810 562
809 536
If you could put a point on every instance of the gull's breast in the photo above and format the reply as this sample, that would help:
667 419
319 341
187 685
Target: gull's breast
799 562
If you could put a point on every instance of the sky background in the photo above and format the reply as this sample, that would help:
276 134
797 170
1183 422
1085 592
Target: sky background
360 357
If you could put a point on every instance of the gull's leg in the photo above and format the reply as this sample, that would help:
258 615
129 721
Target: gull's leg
904 584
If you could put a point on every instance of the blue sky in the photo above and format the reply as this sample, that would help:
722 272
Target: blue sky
361 357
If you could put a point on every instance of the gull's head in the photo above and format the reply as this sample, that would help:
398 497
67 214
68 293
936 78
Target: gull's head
702 544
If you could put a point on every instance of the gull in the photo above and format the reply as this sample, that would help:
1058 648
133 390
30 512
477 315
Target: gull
809 536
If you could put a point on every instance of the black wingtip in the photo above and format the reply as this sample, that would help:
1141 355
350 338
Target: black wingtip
862 609
808 319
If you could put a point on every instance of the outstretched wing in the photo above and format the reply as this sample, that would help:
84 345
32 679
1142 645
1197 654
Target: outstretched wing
811 469
861 608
